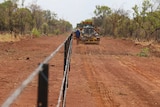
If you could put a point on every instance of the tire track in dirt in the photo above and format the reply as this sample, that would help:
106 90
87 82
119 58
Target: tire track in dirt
139 83
92 65
111 78
132 67
95 87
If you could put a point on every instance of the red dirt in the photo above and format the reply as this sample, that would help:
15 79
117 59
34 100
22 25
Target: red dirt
106 75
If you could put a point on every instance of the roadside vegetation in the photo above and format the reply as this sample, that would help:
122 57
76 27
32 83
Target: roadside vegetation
142 25
17 20
144 52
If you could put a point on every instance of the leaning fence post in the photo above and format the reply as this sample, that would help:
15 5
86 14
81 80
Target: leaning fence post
43 87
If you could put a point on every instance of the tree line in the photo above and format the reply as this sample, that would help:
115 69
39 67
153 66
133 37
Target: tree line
143 24
31 19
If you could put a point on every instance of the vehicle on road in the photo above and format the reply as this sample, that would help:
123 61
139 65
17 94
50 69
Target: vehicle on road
89 33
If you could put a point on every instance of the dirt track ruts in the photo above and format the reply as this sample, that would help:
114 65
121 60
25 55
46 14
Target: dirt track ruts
114 76
106 75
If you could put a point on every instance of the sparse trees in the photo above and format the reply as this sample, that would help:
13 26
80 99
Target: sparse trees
23 20
145 24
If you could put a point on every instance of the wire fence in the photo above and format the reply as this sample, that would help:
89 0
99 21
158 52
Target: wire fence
42 70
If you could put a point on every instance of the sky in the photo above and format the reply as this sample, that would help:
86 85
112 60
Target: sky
76 11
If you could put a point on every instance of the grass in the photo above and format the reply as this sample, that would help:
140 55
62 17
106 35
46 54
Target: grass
8 38
144 52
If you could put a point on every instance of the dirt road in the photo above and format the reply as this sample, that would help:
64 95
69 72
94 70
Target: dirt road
106 75
112 75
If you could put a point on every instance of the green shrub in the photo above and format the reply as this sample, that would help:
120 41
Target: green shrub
144 52
57 32
35 32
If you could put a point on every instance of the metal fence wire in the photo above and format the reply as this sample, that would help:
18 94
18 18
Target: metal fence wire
42 71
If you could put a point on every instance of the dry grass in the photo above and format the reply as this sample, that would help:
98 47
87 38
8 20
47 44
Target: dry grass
8 38
144 43
153 47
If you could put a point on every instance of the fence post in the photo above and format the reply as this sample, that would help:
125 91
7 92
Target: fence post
70 38
65 54
43 87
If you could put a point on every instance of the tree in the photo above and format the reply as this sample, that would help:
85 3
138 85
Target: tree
7 8
37 14
121 23
32 18
101 13
144 21
22 20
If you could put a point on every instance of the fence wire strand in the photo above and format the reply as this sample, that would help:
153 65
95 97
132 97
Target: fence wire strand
65 74
24 84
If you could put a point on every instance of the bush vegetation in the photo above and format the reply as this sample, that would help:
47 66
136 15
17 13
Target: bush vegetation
21 20
144 52
143 25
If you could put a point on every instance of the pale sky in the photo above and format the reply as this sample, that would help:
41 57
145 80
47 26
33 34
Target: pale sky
76 11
